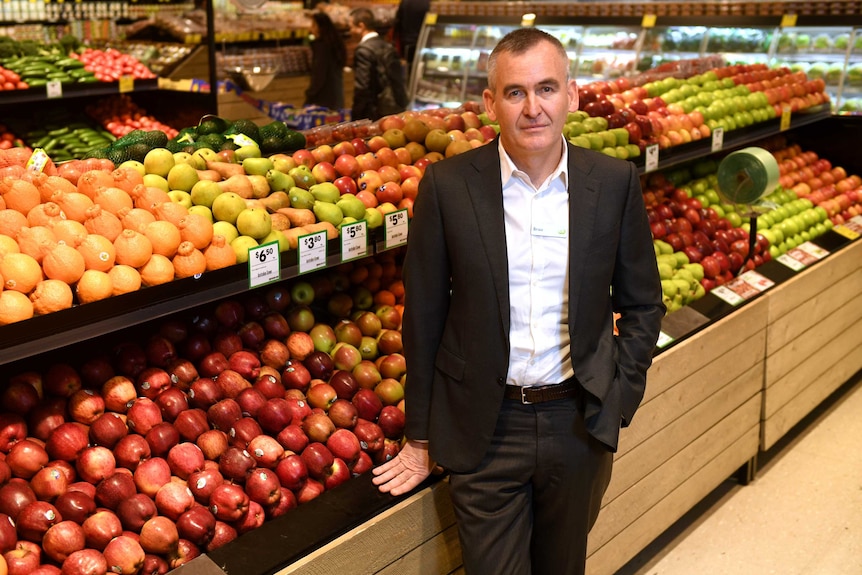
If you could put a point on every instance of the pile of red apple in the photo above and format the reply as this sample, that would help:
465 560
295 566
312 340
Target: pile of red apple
700 233
141 458
120 115
110 65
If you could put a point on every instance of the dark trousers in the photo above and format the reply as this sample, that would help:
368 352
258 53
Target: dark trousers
527 508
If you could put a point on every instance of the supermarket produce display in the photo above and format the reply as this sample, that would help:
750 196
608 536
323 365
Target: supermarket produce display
142 249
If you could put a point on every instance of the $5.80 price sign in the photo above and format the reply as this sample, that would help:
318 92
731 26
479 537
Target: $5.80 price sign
264 264
311 250
395 228
354 240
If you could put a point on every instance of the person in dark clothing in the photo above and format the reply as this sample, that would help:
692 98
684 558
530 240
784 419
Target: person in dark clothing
379 87
408 23
328 57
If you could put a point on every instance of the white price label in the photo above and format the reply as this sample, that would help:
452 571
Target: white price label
728 295
663 340
312 252
395 229
354 240
264 264
651 158
717 139
54 89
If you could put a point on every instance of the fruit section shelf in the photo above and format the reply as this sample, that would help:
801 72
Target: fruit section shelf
59 329
676 155
91 90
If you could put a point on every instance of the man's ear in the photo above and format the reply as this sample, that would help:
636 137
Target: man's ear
488 100
572 89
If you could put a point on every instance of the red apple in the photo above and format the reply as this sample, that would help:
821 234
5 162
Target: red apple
161 438
235 464
309 490
263 487
35 519
114 489
362 464
142 415
118 392
151 474
24 559
107 430
101 527
27 457
344 445
265 450
62 539
95 464
75 505
212 443
369 434
124 555
317 459
184 459
135 511
61 380
228 502
85 562
253 519
15 496
66 442
191 423
8 534
367 403
131 450
19 397
203 482
197 525
318 427
292 472
343 414
391 422
292 438
43 420
173 499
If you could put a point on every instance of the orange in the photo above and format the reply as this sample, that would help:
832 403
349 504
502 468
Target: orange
20 272
65 263
91 181
133 248
45 214
50 296
219 254
11 221
19 195
99 253
397 289
171 211
69 232
189 261
8 246
158 270
14 306
164 236
147 197
127 178
102 222
136 218
196 229
36 241
74 204
358 274
93 286
113 199
124 279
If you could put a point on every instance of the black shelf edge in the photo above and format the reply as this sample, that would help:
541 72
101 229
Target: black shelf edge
676 155
88 90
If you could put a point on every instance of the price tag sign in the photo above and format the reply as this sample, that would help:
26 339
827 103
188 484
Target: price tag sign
851 229
785 117
717 139
648 21
264 264
395 229
802 256
663 340
430 18
742 288
788 20
651 158
312 252
37 161
54 89
126 84
354 240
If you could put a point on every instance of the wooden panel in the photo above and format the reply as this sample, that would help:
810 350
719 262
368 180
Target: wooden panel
682 467
687 427
700 373
616 553
677 362
810 384
442 554
803 291
403 528
802 360
801 318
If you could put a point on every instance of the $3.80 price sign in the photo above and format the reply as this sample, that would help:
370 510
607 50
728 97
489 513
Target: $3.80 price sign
311 250
395 228
264 265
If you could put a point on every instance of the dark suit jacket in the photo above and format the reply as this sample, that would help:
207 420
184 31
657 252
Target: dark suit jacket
456 321
378 80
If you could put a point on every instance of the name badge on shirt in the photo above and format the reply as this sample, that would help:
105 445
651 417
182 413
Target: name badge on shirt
550 230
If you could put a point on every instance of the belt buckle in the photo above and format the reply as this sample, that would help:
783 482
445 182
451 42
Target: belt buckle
524 400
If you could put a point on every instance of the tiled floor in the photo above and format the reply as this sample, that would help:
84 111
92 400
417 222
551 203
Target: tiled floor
802 515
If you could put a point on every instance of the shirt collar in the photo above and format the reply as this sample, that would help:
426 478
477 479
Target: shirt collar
368 36
509 169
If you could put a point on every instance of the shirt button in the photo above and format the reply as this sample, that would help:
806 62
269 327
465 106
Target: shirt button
501 380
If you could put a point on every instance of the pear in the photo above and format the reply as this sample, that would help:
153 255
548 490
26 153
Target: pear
241 245
282 162
325 192
182 177
159 161
257 166
327 212
248 151
225 229
227 207
300 198
254 222
206 154
204 192
182 158
346 221
279 181
351 206
181 197
373 217
275 201
302 176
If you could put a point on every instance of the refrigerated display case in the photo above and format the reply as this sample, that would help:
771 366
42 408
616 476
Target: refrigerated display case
454 48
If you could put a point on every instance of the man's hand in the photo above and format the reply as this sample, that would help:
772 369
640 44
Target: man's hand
406 470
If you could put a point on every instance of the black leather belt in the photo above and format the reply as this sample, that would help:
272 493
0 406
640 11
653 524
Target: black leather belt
541 393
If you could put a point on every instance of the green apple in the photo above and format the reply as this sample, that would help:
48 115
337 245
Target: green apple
159 161
241 245
180 197
182 177
257 166
226 230
204 193
302 293
248 151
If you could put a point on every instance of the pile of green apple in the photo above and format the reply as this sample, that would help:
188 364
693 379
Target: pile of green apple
680 279
593 133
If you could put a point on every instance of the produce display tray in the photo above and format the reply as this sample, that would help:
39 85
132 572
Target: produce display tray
90 90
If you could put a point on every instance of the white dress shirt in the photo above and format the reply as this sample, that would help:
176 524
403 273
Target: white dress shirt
537 232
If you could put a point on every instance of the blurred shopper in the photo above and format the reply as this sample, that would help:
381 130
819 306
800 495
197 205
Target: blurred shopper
408 23
328 57
378 78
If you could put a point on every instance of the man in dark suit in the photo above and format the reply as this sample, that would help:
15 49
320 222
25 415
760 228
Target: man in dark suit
378 79
520 252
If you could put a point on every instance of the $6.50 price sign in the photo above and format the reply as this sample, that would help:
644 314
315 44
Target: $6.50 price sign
264 264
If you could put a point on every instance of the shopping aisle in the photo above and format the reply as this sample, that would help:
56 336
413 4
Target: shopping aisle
801 516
